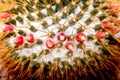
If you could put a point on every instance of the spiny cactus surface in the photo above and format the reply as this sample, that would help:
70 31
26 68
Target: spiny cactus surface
61 39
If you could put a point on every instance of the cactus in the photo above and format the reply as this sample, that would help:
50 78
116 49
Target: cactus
61 39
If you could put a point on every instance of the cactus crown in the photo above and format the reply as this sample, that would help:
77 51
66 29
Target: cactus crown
65 33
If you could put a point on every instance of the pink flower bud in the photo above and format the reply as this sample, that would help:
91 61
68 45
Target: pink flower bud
5 15
8 28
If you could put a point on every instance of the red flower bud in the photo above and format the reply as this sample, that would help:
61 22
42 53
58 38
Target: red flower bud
50 44
30 38
100 34
19 40
80 37
69 45
61 37
106 24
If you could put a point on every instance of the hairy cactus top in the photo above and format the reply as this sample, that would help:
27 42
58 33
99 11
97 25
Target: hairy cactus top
62 32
